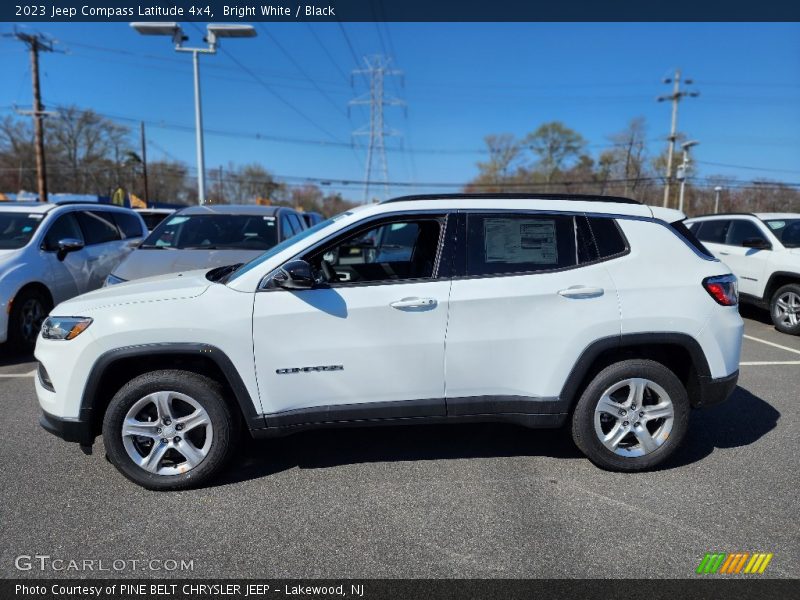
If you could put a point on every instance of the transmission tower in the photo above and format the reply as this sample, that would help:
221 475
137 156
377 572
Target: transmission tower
376 69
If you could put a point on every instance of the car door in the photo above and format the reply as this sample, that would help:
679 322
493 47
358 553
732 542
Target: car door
368 345
747 263
69 274
530 295
103 242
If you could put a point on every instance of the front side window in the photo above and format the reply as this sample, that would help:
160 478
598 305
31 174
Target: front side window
98 226
392 251
506 244
214 232
65 227
17 228
786 230
741 230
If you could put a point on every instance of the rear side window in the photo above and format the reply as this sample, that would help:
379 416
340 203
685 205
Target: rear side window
287 227
713 231
129 224
507 244
98 227
680 228
608 237
297 223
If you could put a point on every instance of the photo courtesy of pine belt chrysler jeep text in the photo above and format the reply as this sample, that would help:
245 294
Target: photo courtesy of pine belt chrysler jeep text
594 312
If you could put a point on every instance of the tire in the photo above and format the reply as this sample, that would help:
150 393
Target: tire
28 310
784 308
663 400
182 434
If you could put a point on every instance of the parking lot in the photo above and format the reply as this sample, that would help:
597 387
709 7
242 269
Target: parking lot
462 501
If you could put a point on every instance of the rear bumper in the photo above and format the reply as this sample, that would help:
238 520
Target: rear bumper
715 391
70 430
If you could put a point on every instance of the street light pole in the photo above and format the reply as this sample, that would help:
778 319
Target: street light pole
717 190
215 31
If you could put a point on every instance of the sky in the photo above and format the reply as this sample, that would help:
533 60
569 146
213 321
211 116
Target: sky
281 99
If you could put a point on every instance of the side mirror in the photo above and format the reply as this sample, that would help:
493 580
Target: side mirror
295 275
67 245
757 243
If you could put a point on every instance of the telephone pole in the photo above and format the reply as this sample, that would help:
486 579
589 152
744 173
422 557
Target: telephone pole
37 43
377 67
675 97
144 165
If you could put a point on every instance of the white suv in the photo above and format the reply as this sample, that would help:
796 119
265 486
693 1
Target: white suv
763 250
597 312
52 252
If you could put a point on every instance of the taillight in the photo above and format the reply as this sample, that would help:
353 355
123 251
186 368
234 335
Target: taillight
723 288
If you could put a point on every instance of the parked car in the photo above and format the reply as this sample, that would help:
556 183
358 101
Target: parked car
600 313
763 251
312 218
52 252
209 236
153 216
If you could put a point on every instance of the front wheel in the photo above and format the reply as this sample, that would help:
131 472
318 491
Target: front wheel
169 430
28 311
632 416
784 308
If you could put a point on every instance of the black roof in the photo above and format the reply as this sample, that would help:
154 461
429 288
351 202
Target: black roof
516 196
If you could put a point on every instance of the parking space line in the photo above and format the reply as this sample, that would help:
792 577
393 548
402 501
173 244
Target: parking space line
755 339
13 375
765 363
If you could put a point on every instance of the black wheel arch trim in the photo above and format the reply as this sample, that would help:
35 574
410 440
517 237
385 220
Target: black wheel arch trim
582 367
252 418
769 290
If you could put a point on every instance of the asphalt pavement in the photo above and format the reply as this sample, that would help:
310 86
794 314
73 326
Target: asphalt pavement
470 501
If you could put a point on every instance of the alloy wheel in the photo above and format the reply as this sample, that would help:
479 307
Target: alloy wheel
167 433
634 417
787 309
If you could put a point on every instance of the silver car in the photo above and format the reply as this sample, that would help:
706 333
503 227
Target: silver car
52 252
209 236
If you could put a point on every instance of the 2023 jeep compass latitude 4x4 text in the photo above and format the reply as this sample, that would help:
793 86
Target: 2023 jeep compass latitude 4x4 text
599 313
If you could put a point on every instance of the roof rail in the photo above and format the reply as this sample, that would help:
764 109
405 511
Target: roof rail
515 196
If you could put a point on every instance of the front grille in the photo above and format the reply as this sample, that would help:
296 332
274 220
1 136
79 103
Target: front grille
44 378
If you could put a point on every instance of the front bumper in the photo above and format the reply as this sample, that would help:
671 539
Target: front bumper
78 430
715 391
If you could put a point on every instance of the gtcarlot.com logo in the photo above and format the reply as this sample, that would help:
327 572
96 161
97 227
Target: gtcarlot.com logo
721 563
45 562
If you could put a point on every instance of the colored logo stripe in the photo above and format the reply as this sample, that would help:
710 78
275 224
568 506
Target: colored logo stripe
722 563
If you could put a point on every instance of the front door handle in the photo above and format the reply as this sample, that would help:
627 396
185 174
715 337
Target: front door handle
413 303
581 291
724 253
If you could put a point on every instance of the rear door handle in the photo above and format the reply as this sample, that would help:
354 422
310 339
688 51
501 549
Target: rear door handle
581 291
413 303
724 253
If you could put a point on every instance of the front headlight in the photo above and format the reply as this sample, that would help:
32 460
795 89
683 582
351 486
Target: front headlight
64 328
113 280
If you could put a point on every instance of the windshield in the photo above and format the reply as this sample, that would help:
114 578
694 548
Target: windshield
282 246
214 232
16 229
786 230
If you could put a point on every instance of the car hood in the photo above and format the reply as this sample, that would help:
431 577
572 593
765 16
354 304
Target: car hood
144 262
150 289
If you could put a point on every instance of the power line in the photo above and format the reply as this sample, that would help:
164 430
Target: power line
267 87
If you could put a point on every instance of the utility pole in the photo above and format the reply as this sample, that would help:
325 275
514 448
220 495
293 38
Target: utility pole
675 98
144 165
37 43
377 67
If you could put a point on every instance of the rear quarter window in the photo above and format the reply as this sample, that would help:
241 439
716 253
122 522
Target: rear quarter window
608 237
682 231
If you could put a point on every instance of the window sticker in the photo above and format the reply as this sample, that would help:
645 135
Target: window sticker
177 220
520 241
776 224
36 216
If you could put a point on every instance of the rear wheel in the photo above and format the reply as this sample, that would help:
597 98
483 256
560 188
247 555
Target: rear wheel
28 311
785 309
632 416
169 430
